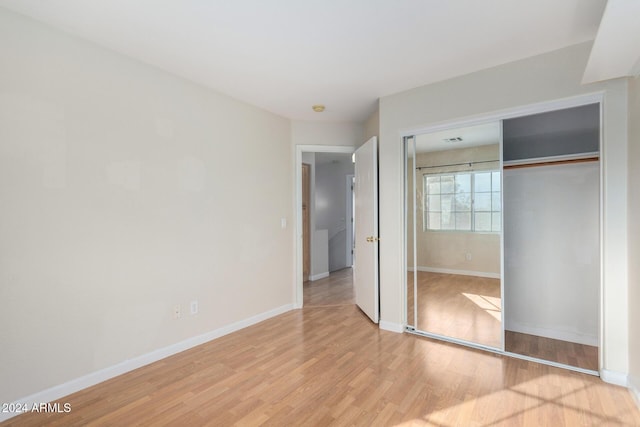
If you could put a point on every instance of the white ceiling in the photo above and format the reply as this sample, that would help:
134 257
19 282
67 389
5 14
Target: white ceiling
285 55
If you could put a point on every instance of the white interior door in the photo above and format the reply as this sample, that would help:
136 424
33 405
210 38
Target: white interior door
365 269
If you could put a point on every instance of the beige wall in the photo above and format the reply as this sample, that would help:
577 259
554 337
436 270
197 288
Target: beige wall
634 234
445 250
552 76
321 133
372 125
121 197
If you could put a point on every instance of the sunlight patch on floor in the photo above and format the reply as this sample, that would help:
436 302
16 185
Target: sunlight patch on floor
491 305
528 403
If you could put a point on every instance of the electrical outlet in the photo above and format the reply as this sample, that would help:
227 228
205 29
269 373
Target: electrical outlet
176 311
194 307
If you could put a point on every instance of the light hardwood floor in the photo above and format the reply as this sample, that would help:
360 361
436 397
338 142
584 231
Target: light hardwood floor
327 364
580 355
337 289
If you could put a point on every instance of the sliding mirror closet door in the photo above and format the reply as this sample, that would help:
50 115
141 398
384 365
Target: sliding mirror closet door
410 218
551 235
454 234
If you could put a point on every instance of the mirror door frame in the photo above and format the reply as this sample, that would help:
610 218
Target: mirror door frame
405 139
500 116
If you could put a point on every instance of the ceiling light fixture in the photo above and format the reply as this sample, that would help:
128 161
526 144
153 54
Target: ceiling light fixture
318 108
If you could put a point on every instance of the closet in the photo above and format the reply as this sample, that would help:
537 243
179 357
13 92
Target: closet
503 235
552 235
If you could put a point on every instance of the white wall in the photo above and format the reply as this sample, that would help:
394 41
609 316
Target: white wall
634 235
331 206
320 253
552 251
126 191
542 78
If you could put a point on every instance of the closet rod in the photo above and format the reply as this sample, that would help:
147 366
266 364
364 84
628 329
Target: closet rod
458 164
551 163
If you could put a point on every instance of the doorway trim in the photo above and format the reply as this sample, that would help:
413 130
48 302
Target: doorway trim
297 291
349 218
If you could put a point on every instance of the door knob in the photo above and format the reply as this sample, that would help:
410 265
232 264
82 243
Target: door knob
372 239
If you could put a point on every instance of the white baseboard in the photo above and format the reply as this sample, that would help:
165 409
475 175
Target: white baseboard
65 389
390 326
613 377
634 388
319 276
486 274
553 334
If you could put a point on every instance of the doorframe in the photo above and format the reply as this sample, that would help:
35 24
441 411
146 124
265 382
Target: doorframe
306 246
298 297
349 218
501 115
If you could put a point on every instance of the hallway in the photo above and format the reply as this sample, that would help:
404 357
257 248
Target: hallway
335 290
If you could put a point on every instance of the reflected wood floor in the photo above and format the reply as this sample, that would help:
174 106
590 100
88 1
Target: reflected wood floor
463 307
468 308
324 366
580 355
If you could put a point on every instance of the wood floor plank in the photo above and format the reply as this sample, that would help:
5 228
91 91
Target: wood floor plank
329 365
337 289
568 353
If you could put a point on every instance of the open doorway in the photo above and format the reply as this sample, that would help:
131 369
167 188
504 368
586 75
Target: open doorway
327 228
330 278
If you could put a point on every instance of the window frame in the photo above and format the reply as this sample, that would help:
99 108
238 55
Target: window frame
426 226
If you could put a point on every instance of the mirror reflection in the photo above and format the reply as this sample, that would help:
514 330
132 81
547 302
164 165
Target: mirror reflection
454 217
